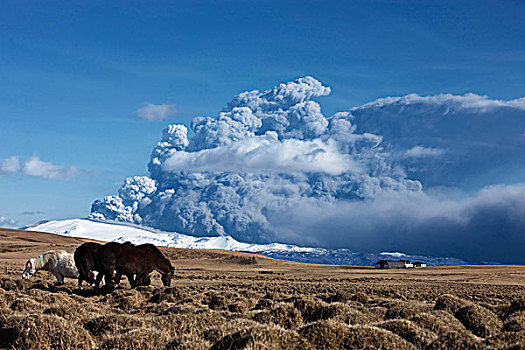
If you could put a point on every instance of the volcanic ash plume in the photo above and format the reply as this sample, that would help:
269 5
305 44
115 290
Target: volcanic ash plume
243 169
272 167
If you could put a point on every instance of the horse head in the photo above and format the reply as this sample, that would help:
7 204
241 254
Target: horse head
167 276
29 270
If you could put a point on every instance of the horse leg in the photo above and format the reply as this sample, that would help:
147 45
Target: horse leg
60 279
98 279
134 280
131 279
110 279
139 279
81 278
118 277
90 278
110 275
146 281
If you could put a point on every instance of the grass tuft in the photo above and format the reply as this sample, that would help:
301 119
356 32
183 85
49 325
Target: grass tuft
328 334
450 303
42 332
480 321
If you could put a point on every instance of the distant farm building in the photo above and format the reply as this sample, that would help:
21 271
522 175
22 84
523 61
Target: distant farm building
399 264
419 264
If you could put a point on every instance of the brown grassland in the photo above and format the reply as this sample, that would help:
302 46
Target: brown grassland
225 300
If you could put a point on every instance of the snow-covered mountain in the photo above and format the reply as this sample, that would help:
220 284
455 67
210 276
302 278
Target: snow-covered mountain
120 232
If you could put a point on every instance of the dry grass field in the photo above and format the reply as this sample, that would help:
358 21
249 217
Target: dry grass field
224 300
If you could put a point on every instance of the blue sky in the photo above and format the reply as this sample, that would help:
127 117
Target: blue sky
74 73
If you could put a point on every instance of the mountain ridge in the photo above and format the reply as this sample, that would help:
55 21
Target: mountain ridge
120 232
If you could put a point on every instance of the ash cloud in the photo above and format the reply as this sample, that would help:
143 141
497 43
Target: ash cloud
487 227
468 141
272 167
266 153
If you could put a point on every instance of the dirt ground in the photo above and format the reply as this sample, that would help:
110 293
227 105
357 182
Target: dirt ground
226 300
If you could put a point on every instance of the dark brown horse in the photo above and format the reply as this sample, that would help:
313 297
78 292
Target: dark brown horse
86 260
129 259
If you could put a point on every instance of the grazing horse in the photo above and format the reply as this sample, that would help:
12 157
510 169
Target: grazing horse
162 265
130 259
59 262
87 261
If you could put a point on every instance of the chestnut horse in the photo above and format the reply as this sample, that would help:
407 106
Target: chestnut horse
129 259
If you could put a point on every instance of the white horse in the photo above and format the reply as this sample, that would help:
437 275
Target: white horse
59 262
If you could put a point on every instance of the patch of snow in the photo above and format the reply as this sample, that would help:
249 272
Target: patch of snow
394 254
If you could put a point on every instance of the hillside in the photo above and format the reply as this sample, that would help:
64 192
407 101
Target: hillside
230 300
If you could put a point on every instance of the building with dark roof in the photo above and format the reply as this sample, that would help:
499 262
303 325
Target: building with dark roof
392 264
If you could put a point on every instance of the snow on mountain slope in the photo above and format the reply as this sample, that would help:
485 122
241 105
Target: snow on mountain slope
120 232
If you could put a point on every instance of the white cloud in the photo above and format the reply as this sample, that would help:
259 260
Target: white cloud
422 151
47 170
9 165
154 112
7 222
37 168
